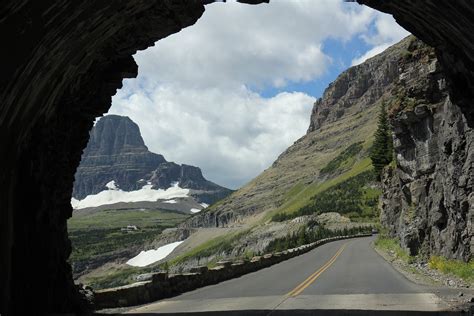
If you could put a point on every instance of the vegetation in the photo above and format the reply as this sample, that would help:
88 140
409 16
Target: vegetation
99 236
392 245
464 270
96 244
344 160
382 150
115 277
306 235
353 197
221 245
461 269
302 194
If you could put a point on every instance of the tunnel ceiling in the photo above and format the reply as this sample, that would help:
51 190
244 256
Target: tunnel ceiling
62 62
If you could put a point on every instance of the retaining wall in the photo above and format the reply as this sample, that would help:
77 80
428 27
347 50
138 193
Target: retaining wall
163 285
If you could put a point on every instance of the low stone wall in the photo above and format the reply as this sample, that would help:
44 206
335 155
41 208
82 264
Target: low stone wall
163 285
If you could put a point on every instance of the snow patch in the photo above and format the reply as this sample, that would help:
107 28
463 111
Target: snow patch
111 185
74 203
148 257
195 210
204 205
146 193
170 201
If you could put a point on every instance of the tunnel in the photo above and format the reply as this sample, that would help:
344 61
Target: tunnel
63 61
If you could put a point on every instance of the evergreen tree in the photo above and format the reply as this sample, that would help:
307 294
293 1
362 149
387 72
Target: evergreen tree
382 150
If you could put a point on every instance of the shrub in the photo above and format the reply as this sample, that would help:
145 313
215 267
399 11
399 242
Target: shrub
342 158
464 270
305 235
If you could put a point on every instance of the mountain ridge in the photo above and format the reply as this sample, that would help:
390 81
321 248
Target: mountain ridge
116 152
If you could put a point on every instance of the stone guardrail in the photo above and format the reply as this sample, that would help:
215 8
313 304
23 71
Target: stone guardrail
163 285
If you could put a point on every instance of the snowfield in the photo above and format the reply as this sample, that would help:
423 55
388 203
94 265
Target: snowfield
114 195
148 257
204 205
195 210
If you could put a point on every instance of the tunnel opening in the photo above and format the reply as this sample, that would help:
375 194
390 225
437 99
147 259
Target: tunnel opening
65 65
217 111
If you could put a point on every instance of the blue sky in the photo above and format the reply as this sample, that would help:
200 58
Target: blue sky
232 92
342 54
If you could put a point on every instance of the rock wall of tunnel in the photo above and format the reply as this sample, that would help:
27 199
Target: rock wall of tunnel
63 60
448 26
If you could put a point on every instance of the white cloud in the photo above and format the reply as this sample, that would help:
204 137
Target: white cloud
196 97
258 45
232 135
387 32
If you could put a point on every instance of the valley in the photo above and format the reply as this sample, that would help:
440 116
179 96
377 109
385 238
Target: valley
111 235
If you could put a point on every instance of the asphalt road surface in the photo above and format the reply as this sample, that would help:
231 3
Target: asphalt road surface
341 275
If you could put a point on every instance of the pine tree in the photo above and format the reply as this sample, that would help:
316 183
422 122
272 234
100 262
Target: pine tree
382 150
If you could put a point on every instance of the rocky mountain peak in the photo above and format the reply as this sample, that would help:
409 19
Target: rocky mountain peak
116 152
359 86
114 134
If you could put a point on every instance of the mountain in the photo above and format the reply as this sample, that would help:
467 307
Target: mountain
335 147
117 167
324 177
328 169
426 195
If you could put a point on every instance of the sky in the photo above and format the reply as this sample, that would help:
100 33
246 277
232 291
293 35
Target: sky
232 92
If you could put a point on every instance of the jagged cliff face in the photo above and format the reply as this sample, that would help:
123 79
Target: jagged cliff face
447 27
116 152
428 198
346 114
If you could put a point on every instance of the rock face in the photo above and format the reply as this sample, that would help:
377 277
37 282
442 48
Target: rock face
116 151
346 114
428 197
438 24
65 61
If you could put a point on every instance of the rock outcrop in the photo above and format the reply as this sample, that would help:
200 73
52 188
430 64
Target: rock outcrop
428 197
116 152
447 27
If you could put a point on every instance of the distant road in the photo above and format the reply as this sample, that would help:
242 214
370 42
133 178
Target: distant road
340 275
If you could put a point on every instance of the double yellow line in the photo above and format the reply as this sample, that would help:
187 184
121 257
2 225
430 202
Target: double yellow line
302 286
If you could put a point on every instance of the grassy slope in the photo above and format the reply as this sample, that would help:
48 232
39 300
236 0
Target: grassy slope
121 218
300 195
298 167
292 180
98 236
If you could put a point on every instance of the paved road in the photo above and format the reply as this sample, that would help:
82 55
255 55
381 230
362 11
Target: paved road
341 275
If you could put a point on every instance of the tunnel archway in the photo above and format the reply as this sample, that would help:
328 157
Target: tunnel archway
64 61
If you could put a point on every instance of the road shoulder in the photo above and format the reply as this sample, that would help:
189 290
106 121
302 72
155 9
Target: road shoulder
456 294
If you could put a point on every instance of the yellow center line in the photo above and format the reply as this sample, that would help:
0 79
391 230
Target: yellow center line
303 285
